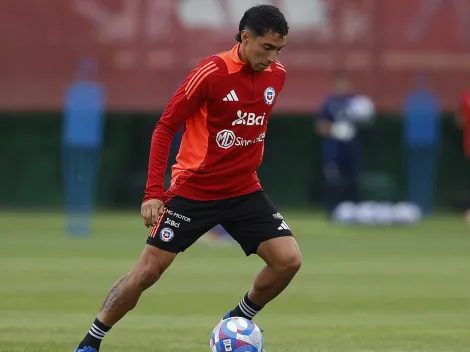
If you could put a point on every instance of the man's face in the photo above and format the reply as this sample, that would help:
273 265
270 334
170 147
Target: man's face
342 85
262 51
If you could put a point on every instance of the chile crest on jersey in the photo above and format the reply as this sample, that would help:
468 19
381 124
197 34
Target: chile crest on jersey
269 95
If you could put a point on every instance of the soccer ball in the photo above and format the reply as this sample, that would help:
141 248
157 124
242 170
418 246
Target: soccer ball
384 213
345 212
366 212
361 109
236 335
406 213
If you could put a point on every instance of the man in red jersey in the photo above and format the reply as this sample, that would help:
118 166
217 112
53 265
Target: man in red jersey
224 105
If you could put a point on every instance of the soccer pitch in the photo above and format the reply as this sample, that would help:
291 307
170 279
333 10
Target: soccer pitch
360 289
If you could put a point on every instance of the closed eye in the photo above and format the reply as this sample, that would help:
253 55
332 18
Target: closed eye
272 48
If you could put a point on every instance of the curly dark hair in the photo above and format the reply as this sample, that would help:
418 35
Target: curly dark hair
262 19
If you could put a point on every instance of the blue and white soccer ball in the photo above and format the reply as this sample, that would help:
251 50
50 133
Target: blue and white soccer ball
237 335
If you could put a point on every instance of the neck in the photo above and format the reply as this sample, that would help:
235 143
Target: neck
242 53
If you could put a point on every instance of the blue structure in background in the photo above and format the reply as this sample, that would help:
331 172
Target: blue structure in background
83 119
421 138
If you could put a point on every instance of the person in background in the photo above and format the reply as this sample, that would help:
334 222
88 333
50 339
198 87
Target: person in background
341 149
463 121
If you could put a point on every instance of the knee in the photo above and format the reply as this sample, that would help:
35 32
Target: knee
144 276
150 267
295 262
290 263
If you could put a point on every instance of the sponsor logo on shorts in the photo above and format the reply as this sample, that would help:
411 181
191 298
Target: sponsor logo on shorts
172 223
167 234
278 216
178 216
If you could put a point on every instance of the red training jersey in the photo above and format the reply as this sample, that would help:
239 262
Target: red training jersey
225 107
465 112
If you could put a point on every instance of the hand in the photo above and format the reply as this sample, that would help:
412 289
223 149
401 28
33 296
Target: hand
151 210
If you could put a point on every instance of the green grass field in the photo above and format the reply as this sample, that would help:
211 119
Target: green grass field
359 290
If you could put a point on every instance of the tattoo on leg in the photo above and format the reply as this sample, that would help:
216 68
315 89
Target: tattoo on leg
113 296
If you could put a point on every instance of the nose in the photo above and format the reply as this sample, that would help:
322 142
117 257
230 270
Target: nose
272 57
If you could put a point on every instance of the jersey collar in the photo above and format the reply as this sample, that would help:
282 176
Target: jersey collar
235 60
236 63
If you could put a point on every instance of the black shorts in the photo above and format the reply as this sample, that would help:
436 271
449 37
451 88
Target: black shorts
249 219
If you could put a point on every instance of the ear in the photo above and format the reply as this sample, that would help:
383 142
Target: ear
245 35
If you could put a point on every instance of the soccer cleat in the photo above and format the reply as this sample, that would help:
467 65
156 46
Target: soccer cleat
88 349
227 315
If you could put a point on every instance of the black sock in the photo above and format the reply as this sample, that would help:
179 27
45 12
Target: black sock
96 333
245 309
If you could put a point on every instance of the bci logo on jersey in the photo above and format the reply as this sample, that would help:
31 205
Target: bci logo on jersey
249 119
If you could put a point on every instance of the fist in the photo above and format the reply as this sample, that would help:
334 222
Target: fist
151 210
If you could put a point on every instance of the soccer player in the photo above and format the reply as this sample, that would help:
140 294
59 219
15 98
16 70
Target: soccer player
224 104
